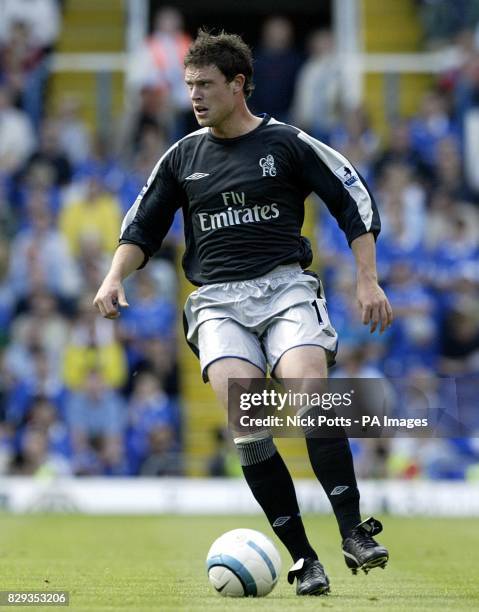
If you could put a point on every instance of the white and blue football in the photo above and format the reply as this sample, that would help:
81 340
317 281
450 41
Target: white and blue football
243 563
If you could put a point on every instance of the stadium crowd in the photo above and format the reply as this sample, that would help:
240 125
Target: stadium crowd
83 395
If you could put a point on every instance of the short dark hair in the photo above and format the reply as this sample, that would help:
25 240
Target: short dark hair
228 52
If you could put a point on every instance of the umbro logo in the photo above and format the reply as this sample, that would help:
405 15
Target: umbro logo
339 490
196 176
281 520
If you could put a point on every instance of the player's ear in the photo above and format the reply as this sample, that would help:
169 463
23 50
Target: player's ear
238 83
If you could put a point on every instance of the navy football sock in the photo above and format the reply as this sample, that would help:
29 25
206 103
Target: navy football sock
273 488
332 462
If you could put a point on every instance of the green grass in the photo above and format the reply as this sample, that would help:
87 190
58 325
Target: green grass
157 563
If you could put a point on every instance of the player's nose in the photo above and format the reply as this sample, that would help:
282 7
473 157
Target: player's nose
195 94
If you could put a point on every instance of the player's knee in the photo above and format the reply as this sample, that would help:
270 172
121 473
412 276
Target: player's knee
303 362
312 421
255 448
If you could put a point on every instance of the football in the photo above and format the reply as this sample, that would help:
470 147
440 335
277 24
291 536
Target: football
243 563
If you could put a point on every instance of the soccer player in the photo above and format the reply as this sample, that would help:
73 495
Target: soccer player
241 181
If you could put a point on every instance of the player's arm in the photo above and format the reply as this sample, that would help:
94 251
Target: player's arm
142 232
375 307
111 294
334 179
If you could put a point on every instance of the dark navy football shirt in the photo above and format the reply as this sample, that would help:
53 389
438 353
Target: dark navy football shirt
243 200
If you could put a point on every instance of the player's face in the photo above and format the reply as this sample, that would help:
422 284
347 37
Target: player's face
211 95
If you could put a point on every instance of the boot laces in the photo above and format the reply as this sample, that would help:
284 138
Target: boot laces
312 570
364 539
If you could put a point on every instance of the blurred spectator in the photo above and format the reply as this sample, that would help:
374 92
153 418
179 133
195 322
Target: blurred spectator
460 341
35 185
43 444
452 459
17 139
358 361
7 298
415 331
156 69
7 218
42 17
465 93
93 345
224 461
334 252
163 271
441 19
27 32
41 312
19 56
403 208
74 137
404 459
141 158
354 138
343 310
276 68
21 359
93 262
149 408
432 125
458 53
317 93
97 214
43 416
149 316
374 396
163 456
157 355
24 69
441 206
34 373
400 151
101 163
6 448
96 417
146 124
459 245
448 171
49 154
40 258
35 459
148 327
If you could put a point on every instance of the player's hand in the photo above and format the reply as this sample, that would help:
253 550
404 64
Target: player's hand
375 307
110 298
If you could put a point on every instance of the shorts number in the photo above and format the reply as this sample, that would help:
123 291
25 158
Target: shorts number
315 306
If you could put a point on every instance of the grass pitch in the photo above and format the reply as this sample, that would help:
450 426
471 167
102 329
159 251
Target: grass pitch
158 563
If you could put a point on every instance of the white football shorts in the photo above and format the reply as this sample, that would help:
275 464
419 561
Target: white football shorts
259 320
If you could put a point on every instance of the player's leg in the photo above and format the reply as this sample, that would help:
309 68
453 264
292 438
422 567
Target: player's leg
263 466
330 458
